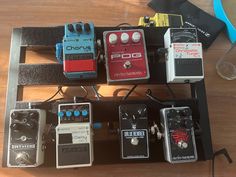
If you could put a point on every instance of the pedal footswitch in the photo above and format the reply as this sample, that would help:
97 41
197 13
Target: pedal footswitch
25 142
134 131
179 140
74 141
126 56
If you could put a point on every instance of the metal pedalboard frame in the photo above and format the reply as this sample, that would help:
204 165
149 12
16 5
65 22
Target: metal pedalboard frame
22 74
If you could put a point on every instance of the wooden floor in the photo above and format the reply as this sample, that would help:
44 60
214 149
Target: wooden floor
221 93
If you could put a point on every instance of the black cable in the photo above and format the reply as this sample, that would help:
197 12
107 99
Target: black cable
62 93
97 95
171 91
58 91
117 91
223 152
85 91
153 98
123 24
130 91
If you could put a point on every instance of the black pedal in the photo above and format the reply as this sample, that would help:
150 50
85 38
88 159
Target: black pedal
25 141
179 140
134 131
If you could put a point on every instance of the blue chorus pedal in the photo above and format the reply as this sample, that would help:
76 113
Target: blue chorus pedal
77 51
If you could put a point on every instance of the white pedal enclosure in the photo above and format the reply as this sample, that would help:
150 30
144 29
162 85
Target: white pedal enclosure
184 62
74 141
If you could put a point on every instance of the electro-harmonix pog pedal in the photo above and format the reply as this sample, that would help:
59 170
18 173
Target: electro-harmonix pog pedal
77 51
25 142
184 62
126 56
179 140
74 141
134 131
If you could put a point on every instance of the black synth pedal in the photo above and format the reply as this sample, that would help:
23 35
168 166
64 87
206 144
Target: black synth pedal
134 131
25 141
179 140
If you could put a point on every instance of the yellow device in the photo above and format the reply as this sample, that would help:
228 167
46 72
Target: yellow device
161 20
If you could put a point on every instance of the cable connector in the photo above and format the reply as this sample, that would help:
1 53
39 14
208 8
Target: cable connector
155 130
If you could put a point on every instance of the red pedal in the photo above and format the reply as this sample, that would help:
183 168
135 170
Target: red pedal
126 56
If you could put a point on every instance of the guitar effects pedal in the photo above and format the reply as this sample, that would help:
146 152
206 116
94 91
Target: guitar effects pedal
25 141
126 56
184 62
161 20
77 51
74 141
134 131
179 140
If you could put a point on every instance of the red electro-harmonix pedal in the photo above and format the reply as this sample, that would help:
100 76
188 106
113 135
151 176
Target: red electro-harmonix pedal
126 56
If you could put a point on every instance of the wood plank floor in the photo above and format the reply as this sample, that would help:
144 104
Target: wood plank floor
221 93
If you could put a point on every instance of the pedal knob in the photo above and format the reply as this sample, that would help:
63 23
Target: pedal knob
76 113
146 19
22 158
182 144
30 125
127 65
70 27
68 113
134 141
112 38
151 23
84 112
16 126
14 115
136 37
172 113
78 28
188 124
186 112
173 125
87 27
61 114
124 38
33 115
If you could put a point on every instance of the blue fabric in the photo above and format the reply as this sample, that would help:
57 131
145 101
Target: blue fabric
221 14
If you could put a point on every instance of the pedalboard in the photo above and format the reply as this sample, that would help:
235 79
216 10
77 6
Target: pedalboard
74 136
126 56
134 131
179 140
25 142
77 51
161 20
184 62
